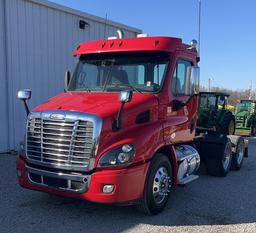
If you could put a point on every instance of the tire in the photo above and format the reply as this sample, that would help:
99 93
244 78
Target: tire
159 173
228 125
221 166
238 155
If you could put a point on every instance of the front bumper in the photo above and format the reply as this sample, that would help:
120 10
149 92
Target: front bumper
128 183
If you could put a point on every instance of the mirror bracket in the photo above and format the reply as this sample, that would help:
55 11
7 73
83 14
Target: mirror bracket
124 97
177 105
26 107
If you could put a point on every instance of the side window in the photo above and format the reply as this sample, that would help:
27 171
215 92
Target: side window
179 77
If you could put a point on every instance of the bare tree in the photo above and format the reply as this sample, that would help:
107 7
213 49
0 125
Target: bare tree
235 96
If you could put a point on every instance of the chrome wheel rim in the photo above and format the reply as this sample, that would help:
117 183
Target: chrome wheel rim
161 185
227 158
240 153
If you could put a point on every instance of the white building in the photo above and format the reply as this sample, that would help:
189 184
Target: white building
37 38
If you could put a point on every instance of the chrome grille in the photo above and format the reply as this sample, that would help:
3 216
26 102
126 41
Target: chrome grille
67 142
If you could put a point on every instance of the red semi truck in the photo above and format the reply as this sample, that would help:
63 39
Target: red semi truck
124 130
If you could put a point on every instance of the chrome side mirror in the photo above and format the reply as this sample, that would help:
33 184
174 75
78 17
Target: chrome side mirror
24 95
125 96
192 81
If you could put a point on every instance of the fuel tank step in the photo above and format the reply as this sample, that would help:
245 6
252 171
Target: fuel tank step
188 179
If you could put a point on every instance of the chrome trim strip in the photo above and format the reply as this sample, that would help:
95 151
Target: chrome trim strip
59 166
60 175
71 152
41 141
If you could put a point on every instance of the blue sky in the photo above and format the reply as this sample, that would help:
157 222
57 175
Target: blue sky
228 36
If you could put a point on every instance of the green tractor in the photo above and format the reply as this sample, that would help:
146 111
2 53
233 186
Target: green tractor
243 112
213 114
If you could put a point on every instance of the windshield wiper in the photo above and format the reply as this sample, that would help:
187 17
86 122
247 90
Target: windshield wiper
87 89
128 85
108 75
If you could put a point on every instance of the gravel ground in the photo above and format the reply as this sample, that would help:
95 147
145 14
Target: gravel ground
209 204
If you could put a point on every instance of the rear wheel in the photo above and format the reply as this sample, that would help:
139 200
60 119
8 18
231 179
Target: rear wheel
238 155
227 125
157 186
221 165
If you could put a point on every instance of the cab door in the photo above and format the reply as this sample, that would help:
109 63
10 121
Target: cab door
179 126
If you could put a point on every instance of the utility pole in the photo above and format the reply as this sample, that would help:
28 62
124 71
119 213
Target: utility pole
209 83
250 91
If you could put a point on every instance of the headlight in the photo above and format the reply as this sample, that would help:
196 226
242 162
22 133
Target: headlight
118 156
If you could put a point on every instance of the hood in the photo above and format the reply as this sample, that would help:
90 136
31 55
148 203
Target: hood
102 104
243 113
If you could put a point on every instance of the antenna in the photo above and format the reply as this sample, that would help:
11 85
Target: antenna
199 27
105 25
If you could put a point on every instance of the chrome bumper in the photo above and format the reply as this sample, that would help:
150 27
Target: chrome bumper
61 180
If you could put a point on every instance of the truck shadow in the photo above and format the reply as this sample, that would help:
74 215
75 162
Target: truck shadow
207 201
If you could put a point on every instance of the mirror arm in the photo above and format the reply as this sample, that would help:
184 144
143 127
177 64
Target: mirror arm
118 122
26 107
182 104
188 100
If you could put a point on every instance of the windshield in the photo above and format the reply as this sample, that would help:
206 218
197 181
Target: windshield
245 106
142 72
207 102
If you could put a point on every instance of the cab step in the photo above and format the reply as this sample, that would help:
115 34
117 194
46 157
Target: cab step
188 179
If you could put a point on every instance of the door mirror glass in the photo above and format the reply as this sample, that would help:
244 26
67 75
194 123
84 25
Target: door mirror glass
67 80
125 96
24 94
192 80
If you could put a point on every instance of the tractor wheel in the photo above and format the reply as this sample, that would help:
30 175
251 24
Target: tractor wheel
157 186
238 155
228 124
220 166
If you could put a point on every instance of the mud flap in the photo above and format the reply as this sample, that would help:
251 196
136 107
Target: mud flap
211 145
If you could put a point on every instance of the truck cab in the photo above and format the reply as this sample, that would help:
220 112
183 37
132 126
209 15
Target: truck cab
123 130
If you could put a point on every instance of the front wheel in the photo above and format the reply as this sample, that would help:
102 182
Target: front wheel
157 185
232 127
